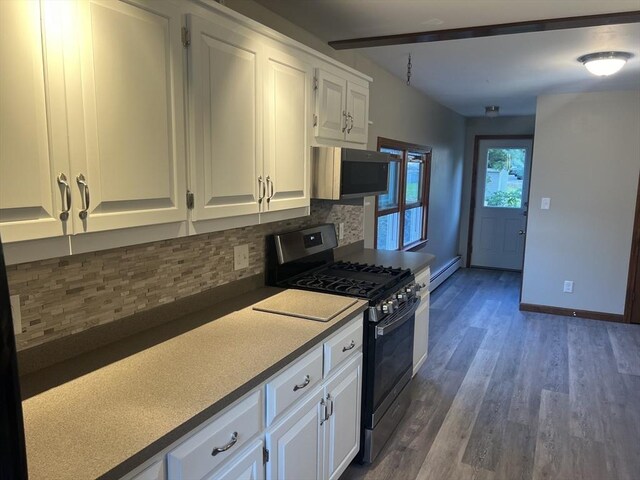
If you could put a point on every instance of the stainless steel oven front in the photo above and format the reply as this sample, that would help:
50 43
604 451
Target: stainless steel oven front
388 370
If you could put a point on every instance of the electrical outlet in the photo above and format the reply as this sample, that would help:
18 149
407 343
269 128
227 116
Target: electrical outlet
568 286
545 203
15 313
241 257
341 231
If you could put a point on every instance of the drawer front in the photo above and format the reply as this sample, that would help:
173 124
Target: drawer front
424 278
343 344
218 441
292 383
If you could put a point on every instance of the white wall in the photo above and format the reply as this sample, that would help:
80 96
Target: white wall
523 125
402 113
586 158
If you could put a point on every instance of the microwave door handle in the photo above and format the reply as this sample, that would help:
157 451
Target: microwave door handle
404 318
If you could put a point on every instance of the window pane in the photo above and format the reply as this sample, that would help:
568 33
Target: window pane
414 182
388 227
412 225
503 180
390 199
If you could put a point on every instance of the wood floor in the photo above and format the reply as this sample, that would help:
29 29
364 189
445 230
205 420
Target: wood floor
514 396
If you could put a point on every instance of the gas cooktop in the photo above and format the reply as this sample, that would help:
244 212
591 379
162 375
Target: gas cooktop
348 278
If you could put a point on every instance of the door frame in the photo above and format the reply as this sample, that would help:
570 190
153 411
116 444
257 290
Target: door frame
634 260
474 178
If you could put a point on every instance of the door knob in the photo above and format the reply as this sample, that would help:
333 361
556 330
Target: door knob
521 232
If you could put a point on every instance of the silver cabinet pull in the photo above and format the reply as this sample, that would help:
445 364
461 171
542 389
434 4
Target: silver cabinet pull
344 115
270 188
323 413
329 405
62 180
350 347
234 440
350 118
262 188
82 183
307 381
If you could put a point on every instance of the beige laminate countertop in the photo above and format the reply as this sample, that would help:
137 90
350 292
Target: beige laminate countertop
106 423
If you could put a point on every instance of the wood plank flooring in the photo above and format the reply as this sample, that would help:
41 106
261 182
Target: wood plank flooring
509 395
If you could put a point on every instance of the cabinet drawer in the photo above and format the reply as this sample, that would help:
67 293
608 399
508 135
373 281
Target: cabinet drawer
218 441
293 383
343 344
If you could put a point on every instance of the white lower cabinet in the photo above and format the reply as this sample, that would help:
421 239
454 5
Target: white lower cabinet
248 466
421 331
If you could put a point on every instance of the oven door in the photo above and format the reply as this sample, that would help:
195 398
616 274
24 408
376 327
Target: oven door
390 361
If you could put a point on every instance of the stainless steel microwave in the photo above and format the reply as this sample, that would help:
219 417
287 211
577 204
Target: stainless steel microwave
343 173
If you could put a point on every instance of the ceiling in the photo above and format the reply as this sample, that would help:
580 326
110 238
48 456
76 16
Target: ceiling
465 75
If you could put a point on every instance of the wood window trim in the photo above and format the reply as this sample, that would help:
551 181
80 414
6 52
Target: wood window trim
406 147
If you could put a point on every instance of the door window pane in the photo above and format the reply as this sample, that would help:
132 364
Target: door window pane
412 225
414 182
388 227
390 199
504 177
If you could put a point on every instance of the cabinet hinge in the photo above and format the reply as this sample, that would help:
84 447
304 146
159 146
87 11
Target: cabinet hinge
265 455
186 37
315 83
190 200
315 120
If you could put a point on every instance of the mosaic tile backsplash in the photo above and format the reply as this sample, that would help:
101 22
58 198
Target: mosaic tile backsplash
66 295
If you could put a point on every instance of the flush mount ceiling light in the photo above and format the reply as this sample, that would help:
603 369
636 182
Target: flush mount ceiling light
604 63
492 111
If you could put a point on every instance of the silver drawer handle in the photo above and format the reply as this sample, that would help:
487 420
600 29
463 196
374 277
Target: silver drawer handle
82 183
62 180
307 381
350 347
234 440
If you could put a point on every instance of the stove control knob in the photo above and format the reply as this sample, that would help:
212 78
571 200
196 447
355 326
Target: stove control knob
410 290
388 307
401 296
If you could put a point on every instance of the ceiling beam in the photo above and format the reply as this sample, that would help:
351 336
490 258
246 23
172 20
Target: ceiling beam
490 30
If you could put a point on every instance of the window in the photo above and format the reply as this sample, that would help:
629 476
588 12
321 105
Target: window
402 212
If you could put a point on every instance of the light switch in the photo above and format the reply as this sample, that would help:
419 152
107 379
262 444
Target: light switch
545 203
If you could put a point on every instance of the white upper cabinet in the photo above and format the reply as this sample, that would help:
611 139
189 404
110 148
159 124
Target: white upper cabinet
128 132
226 125
342 108
287 152
33 148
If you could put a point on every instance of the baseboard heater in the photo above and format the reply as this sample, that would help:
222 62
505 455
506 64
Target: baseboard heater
445 272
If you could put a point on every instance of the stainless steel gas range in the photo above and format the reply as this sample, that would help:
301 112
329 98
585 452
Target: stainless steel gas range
304 259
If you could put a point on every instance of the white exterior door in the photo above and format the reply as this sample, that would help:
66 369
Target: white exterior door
287 152
247 466
342 429
357 113
226 104
502 190
331 105
132 153
33 138
295 445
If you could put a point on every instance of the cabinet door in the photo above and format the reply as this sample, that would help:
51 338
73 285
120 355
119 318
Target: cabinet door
295 443
330 105
342 429
226 122
287 161
131 64
358 113
33 135
421 335
248 466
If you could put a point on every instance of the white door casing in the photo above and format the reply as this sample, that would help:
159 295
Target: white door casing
133 140
497 239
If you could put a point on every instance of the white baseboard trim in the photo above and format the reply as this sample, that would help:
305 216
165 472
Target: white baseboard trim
445 272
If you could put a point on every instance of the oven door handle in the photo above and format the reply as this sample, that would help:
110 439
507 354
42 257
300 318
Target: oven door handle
403 318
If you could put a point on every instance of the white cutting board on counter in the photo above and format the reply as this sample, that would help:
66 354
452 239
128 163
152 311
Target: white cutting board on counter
320 307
